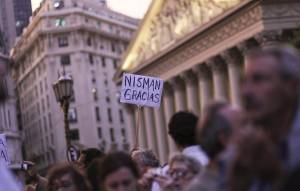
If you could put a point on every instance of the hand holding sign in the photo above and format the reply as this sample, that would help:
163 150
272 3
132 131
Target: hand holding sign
141 91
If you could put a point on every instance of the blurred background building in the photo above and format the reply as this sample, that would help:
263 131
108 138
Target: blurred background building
23 12
197 46
8 117
85 39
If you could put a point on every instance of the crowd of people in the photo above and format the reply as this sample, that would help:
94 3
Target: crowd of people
252 148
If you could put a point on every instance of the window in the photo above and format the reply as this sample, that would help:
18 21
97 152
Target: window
91 58
115 64
72 115
65 60
89 41
93 76
97 111
72 99
60 22
99 24
103 62
58 4
112 136
123 132
63 41
107 99
99 132
109 115
121 116
74 134
95 94
113 48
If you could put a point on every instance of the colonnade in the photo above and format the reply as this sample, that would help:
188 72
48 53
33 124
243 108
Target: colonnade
217 78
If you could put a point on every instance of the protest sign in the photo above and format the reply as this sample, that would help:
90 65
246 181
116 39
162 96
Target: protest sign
141 90
3 150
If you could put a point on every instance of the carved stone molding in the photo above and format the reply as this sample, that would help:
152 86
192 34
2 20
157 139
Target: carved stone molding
232 56
268 38
203 41
177 83
217 64
247 45
189 77
202 71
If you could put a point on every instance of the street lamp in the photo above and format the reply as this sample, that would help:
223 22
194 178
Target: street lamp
63 92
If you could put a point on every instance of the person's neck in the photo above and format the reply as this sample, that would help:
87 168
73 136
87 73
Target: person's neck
279 125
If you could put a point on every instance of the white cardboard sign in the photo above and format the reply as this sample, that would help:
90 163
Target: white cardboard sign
141 90
4 150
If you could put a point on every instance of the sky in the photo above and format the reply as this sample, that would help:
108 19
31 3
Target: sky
133 8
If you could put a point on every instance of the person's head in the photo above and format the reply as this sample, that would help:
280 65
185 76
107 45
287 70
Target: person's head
271 82
214 130
88 155
117 171
182 127
183 169
145 159
66 177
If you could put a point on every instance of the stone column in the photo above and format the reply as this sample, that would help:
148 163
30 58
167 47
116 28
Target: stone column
233 59
219 78
150 129
131 124
204 84
191 91
161 134
179 93
169 109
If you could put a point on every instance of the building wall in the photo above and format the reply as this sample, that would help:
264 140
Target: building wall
7 24
206 63
88 46
8 121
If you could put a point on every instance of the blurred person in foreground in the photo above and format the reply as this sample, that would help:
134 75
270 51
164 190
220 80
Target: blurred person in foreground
271 93
182 128
116 172
215 132
33 180
66 177
255 165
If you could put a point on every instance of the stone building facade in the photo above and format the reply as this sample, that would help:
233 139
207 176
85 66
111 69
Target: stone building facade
8 117
85 39
197 47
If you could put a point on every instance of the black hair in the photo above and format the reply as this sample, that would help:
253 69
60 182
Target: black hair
182 127
211 128
90 155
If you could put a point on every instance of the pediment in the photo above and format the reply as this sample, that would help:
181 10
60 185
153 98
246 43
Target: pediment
166 22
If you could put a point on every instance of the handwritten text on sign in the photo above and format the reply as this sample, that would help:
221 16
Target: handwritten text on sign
3 150
141 90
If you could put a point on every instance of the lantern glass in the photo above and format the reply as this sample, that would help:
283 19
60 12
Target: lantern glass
63 88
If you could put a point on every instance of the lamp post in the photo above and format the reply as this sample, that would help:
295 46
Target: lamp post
63 92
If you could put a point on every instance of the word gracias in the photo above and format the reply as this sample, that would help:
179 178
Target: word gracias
141 90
